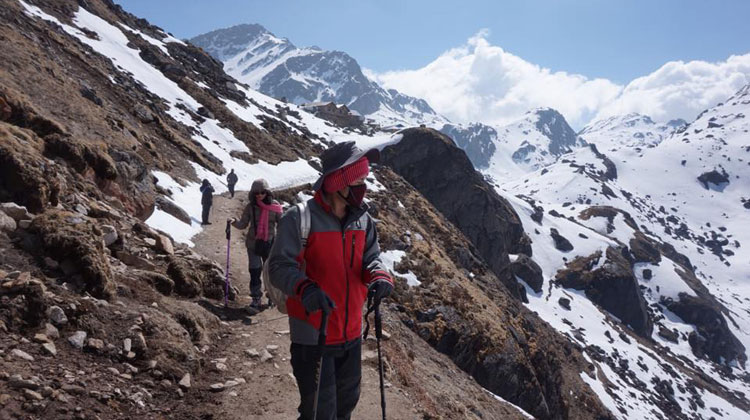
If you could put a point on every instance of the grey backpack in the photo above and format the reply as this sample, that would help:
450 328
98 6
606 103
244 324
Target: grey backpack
277 296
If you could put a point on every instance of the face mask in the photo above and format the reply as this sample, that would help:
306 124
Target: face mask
356 195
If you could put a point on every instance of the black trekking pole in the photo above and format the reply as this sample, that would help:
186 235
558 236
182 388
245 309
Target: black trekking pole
321 345
378 335
226 281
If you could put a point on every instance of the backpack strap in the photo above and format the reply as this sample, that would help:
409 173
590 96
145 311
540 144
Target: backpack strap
304 222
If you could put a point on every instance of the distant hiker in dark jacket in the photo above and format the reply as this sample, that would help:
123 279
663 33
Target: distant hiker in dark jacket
207 199
341 266
262 213
231 182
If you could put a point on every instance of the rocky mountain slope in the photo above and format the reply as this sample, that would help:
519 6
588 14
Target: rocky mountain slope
275 67
647 238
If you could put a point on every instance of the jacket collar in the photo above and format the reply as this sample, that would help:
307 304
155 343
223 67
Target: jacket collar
351 216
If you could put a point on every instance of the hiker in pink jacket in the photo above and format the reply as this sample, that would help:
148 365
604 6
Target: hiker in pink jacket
262 214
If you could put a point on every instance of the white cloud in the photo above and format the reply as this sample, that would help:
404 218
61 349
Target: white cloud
682 90
482 82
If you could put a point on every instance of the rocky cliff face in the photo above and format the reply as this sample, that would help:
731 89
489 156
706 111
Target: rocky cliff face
464 311
443 173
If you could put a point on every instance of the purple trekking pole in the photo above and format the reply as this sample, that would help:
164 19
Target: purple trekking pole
226 282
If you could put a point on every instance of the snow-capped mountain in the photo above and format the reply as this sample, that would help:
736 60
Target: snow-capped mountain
632 132
536 140
478 141
276 67
661 243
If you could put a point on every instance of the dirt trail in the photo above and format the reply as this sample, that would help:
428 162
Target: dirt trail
269 391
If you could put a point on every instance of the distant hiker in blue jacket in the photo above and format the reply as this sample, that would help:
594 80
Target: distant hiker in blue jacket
207 199
231 182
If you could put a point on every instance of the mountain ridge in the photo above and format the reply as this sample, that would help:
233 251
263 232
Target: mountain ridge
278 68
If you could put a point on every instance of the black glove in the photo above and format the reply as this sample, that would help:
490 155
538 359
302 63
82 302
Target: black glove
379 289
314 299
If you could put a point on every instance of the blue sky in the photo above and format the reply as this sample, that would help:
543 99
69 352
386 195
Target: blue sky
618 40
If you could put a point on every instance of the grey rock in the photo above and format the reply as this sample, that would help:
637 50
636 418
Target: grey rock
164 245
143 114
32 395
22 355
78 339
169 207
185 381
18 382
109 234
95 344
50 348
15 211
265 356
57 316
7 223
51 331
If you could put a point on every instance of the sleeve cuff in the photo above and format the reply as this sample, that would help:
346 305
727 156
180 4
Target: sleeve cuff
301 286
379 275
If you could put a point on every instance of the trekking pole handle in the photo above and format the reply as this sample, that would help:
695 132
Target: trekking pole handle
228 230
323 329
378 321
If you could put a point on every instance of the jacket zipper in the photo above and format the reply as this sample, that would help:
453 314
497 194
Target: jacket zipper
346 274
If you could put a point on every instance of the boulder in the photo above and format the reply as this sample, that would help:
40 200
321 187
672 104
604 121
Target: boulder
669 335
15 211
65 235
143 114
529 271
185 381
561 243
612 286
109 234
160 282
94 344
78 339
164 245
564 302
644 249
57 316
50 348
169 207
22 355
713 339
7 223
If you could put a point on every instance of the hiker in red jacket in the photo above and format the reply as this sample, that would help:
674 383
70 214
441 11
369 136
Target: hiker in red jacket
333 273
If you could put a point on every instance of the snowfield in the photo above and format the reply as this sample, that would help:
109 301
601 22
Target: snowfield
658 185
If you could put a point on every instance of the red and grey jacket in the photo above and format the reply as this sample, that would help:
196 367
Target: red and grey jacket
342 257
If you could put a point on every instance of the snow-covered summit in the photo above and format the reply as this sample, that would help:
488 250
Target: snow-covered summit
536 140
632 132
278 68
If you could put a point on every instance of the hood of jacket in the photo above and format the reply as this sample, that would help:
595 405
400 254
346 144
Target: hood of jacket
259 184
